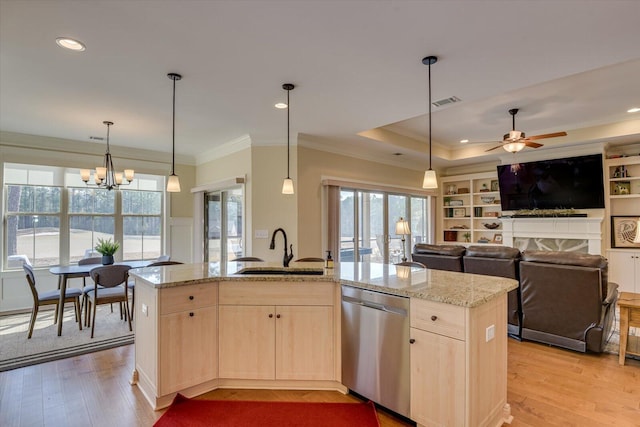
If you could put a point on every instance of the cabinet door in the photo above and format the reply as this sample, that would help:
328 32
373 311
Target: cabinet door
624 270
305 343
247 342
437 379
188 349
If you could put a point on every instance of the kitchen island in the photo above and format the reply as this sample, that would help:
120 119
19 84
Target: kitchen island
204 326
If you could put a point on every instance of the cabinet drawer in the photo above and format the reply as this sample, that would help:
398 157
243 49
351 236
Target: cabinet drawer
189 297
439 318
277 293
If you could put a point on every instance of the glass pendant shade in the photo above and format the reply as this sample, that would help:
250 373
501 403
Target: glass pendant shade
430 180
513 147
287 186
173 184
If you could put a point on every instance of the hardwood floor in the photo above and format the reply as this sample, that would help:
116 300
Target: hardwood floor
546 387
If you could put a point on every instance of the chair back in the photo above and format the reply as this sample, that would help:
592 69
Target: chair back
110 276
31 280
88 261
247 258
439 257
160 263
163 258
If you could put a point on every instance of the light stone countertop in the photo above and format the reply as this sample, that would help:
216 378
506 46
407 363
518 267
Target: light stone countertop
462 289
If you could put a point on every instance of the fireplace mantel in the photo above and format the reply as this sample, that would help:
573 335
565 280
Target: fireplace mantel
562 231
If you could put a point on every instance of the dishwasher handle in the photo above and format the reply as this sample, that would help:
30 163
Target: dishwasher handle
375 305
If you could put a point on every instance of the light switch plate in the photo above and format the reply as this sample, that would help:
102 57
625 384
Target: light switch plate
262 234
490 333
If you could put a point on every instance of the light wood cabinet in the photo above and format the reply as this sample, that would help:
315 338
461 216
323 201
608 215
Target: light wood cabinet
624 269
176 338
262 340
188 349
468 202
459 364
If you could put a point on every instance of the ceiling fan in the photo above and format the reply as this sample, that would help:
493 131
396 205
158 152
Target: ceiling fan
516 140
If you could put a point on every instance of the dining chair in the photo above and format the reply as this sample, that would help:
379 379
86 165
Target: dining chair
50 298
87 288
108 290
247 258
131 284
309 259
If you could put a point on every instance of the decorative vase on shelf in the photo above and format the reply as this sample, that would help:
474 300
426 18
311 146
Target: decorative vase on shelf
107 259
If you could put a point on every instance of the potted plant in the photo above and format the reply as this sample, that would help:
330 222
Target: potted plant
107 248
467 237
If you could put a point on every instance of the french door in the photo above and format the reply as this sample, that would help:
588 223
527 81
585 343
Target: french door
223 225
368 225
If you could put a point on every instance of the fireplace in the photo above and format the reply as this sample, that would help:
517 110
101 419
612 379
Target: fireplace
582 234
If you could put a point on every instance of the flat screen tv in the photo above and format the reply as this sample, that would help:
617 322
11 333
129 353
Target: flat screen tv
570 183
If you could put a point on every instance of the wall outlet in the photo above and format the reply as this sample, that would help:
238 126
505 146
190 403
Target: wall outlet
145 309
262 234
490 333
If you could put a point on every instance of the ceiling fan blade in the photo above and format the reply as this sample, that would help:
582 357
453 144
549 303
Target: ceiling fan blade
532 144
547 135
497 146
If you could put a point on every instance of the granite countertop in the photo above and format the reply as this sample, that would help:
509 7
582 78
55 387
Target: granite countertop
463 289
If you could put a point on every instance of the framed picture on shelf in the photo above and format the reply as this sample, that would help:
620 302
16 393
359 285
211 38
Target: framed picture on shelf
456 203
459 212
624 230
497 238
494 185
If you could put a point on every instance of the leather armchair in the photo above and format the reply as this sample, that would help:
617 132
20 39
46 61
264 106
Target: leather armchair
439 257
567 300
503 262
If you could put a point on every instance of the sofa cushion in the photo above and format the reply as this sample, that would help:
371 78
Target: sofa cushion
449 250
502 252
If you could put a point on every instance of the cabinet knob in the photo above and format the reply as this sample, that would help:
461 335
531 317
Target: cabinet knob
412 340
270 315
191 314
191 297
434 318
278 316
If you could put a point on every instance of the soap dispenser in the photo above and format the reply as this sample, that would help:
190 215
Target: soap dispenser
328 263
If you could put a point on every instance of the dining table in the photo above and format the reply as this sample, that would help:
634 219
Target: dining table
66 272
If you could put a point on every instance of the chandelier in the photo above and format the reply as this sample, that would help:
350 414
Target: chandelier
105 176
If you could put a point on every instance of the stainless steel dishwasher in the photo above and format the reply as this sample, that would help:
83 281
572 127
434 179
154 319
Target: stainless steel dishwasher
375 347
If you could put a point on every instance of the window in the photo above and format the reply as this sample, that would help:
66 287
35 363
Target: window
53 218
369 218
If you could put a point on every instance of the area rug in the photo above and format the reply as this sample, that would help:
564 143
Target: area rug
45 345
185 412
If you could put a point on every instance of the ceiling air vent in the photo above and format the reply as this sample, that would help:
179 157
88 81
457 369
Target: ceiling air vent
445 101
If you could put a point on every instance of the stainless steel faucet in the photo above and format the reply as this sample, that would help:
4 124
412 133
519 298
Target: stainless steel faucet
287 257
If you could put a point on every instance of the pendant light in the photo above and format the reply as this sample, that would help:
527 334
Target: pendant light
173 184
430 180
105 175
287 184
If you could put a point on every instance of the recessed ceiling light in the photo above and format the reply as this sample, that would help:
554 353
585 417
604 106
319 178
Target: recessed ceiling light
464 141
70 44
281 105
633 110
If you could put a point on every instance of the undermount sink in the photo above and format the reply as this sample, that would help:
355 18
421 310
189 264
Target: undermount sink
282 271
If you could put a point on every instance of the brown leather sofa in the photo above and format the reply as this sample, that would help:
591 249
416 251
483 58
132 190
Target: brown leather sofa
439 257
499 261
567 300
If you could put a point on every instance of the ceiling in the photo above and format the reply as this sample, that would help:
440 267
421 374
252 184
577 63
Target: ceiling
361 86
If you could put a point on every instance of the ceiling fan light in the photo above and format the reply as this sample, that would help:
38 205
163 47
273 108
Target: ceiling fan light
287 186
513 147
173 184
430 181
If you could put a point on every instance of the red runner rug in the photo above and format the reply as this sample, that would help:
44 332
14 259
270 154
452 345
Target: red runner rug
185 412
